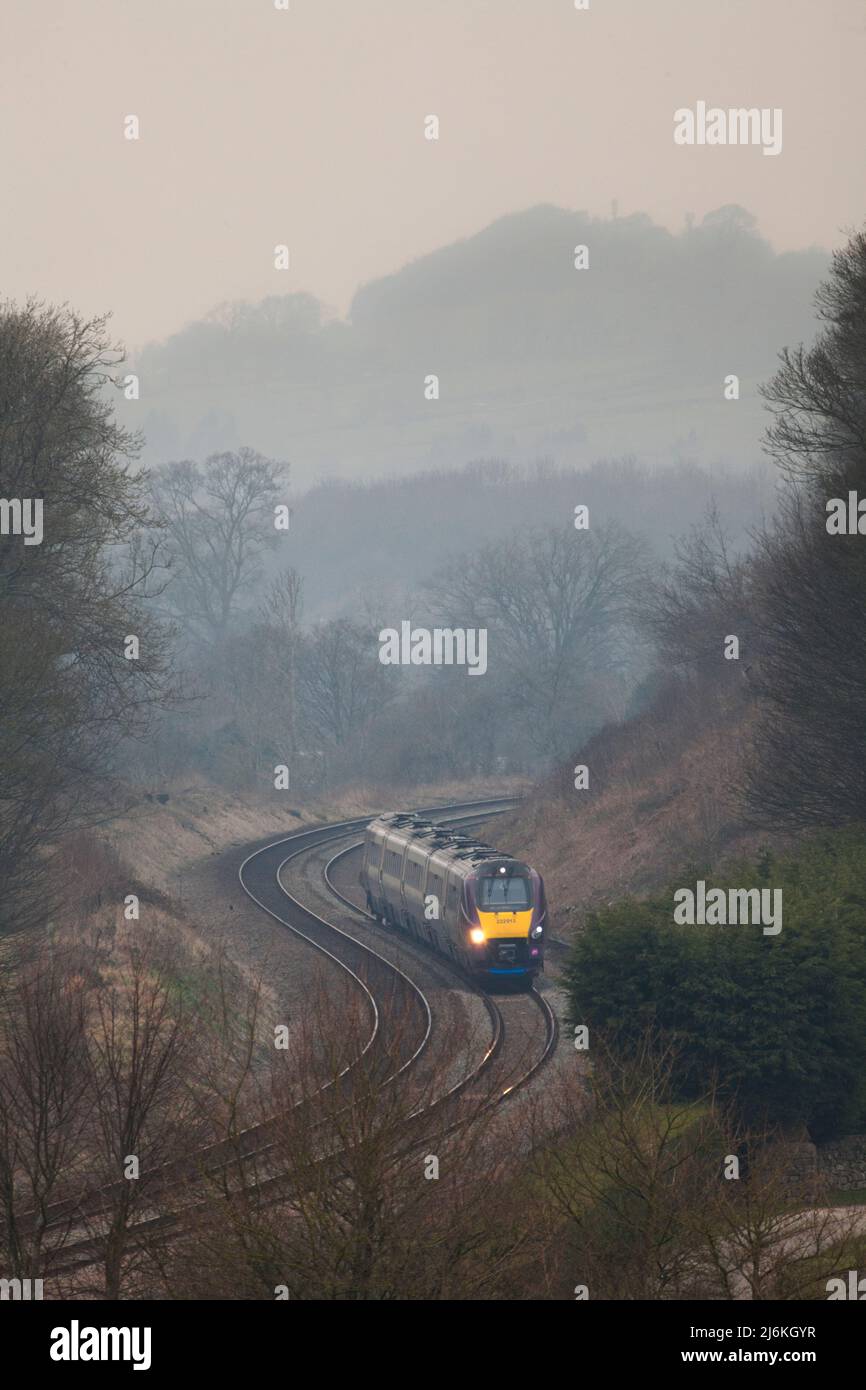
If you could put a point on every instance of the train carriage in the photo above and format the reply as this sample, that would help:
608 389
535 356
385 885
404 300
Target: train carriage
484 909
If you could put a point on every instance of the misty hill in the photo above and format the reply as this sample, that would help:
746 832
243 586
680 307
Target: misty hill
534 357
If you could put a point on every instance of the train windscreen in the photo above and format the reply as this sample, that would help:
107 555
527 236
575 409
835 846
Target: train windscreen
504 891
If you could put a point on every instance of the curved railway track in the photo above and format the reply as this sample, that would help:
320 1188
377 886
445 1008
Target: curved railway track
390 996
516 1006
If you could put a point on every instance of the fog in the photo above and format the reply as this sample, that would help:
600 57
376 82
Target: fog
427 286
460 406
305 126
498 346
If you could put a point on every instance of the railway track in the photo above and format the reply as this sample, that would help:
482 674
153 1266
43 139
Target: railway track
390 995
509 1014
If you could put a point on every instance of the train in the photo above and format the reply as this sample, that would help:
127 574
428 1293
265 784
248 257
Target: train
484 909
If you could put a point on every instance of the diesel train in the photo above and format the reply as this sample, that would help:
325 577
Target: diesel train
484 909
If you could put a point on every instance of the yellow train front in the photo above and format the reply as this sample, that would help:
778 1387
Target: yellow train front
484 909
505 911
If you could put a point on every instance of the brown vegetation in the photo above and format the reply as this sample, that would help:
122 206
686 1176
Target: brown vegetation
664 791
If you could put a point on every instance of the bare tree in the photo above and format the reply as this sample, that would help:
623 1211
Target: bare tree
808 766
369 1188
701 599
558 604
818 395
341 679
646 1196
45 1104
140 1044
219 520
624 1170
282 610
771 1235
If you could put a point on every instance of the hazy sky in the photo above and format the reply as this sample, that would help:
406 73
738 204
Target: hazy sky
306 127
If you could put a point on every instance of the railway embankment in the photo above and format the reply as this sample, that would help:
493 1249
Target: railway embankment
642 798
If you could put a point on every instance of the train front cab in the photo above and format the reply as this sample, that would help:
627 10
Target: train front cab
505 914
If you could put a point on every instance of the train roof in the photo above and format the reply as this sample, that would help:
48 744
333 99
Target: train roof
439 839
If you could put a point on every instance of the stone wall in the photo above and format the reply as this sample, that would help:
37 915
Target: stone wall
840 1164
843 1162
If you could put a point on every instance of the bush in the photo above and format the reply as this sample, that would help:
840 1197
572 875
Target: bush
779 1022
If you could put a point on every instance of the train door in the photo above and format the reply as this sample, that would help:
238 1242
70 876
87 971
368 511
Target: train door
452 913
403 914
434 904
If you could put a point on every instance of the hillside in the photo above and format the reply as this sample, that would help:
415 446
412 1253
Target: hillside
663 795
534 357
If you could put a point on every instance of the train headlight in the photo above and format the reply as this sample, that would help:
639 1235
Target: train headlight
476 936
537 931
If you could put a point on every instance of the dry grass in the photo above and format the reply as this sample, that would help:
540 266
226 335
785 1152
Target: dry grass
159 839
164 849
663 794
